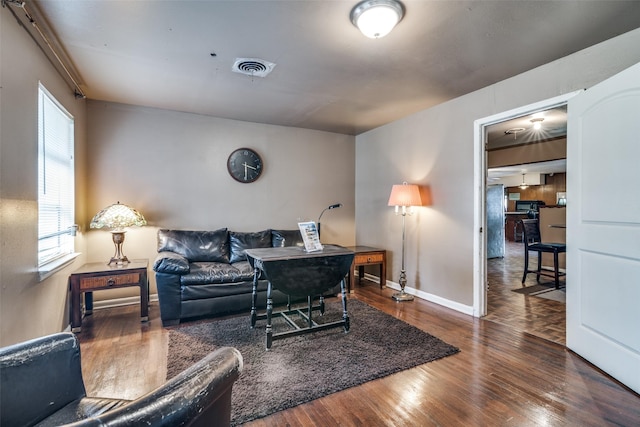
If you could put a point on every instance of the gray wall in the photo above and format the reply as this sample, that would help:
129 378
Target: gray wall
28 307
171 166
435 148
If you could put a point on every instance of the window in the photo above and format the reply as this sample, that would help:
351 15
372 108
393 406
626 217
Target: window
55 180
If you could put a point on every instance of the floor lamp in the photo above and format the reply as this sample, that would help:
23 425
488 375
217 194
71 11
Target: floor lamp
404 196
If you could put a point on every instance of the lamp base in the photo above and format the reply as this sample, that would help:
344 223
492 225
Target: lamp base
402 296
118 257
119 261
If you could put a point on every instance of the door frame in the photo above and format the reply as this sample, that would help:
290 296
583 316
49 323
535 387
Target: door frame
480 190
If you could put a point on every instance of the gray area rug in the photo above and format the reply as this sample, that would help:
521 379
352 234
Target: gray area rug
300 369
559 295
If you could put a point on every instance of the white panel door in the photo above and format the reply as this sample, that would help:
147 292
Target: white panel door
603 226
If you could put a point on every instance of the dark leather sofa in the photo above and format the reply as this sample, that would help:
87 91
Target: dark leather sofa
206 273
41 385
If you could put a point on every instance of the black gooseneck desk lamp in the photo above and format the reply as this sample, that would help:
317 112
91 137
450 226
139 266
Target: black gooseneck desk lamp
334 206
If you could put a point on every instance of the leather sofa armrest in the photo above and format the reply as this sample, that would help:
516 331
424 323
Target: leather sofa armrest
198 396
171 263
169 298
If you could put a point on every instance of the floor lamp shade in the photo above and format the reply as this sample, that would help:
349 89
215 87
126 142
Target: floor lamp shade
405 195
117 217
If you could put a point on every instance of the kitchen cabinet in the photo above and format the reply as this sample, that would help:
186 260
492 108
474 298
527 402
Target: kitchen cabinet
512 230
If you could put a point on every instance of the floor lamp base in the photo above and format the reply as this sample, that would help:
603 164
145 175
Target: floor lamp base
402 296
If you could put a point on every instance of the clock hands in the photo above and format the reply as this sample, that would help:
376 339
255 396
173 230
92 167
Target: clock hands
246 169
249 166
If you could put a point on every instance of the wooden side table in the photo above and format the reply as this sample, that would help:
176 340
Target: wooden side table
366 255
98 276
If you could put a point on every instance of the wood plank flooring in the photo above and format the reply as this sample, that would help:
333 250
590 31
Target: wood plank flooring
501 377
538 316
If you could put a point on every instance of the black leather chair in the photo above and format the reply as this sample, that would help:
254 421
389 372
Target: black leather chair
531 232
41 385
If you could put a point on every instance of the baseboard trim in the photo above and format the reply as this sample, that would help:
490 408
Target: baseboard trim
119 302
466 309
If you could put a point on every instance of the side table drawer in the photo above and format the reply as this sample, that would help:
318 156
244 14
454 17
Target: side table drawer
106 282
368 258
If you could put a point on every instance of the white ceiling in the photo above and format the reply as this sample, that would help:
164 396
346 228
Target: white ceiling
504 175
521 131
328 76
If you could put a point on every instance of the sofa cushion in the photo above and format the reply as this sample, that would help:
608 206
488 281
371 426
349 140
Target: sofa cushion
240 241
196 246
246 271
171 262
81 410
204 296
202 273
280 238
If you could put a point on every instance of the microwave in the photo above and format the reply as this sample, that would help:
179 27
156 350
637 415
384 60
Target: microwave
528 205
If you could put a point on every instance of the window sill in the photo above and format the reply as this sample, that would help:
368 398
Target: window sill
50 268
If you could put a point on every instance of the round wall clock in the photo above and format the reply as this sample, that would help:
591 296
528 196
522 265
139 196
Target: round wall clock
244 165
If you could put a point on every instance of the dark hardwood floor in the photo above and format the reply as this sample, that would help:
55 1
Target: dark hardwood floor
501 377
538 316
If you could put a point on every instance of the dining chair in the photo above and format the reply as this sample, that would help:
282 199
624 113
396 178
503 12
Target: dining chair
532 242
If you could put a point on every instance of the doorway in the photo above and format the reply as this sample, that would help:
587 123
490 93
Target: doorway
524 191
480 218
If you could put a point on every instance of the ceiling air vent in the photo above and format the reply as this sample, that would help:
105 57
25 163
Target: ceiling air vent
253 67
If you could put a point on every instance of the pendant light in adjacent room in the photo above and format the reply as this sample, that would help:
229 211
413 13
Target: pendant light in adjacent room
523 185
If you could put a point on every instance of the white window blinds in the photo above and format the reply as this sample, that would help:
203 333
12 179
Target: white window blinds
55 179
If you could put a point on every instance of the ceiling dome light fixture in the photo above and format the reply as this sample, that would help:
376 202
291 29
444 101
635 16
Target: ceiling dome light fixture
376 18
537 122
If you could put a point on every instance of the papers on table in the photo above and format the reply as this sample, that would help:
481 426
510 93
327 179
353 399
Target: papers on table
310 236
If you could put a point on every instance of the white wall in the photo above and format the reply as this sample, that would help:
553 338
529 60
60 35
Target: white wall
171 166
28 307
435 148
